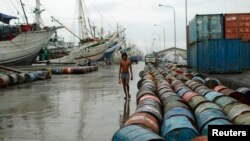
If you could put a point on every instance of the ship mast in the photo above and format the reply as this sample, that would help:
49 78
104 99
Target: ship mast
37 12
82 21
24 12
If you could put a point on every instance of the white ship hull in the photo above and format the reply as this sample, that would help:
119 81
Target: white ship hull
23 49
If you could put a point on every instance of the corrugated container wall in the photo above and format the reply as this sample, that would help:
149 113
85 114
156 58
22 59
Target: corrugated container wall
193 56
204 27
237 26
245 55
216 56
219 56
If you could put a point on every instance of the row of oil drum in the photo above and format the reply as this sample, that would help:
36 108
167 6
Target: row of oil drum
144 124
73 70
231 102
241 94
11 79
178 122
206 112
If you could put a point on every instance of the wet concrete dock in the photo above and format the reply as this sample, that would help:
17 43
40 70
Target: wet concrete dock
68 108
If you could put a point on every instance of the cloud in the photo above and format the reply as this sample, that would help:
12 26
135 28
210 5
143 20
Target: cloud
138 16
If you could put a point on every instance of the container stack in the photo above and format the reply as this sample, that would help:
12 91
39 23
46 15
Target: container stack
219 43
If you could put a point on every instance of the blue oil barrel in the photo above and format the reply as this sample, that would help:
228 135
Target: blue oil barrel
213 95
204 130
224 101
135 133
180 111
178 128
183 91
153 110
31 76
208 115
56 71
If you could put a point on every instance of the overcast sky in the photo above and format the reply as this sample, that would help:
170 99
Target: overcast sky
137 16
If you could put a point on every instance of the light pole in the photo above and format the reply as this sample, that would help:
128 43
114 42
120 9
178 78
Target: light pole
164 38
160 5
158 40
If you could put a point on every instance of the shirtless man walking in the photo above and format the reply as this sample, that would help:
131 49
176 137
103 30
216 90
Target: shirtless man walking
125 66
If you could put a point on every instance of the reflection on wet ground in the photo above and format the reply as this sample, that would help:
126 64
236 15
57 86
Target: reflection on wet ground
67 108
125 115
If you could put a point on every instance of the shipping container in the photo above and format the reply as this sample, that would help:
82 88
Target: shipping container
192 56
188 45
204 27
237 25
216 56
245 55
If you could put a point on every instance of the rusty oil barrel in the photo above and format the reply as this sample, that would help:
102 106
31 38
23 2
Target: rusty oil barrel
13 78
237 110
196 101
200 88
211 82
224 101
204 91
178 128
145 119
166 95
187 96
175 83
200 138
139 83
150 97
142 93
246 92
67 70
21 78
168 99
219 88
152 108
172 104
204 106
242 119
163 91
234 94
195 86
4 81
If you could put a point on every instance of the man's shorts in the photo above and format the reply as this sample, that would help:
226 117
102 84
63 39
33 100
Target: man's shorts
125 76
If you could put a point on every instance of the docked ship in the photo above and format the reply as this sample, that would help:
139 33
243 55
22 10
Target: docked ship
21 46
89 48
